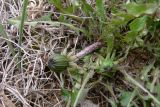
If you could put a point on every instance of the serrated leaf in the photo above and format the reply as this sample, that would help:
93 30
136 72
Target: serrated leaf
79 93
53 23
146 70
16 22
126 98
139 9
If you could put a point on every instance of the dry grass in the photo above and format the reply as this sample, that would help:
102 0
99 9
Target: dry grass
33 86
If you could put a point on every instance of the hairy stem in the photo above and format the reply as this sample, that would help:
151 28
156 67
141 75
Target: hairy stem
89 49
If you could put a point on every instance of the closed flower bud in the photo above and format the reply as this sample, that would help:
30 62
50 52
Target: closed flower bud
58 63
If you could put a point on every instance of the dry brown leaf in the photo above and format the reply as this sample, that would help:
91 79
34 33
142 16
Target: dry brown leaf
7 102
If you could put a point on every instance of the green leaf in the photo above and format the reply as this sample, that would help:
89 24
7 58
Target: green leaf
122 18
4 35
45 18
79 93
53 23
86 8
100 9
60 7
138 85
139 9
126 98
66 94
75 74
138 24
75 2
130 36
145 71
81 97
158 94
21 27
110 44
107 63
57 3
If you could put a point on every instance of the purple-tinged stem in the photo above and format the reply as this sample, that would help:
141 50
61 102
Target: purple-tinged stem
89 49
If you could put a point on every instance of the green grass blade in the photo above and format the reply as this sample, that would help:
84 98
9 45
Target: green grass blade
21 26
132 80
100 9
86 79
4 35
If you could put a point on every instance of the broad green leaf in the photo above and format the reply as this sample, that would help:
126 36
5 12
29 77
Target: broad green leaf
122 18
138 24
139 9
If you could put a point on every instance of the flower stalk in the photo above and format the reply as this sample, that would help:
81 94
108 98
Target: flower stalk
59 62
